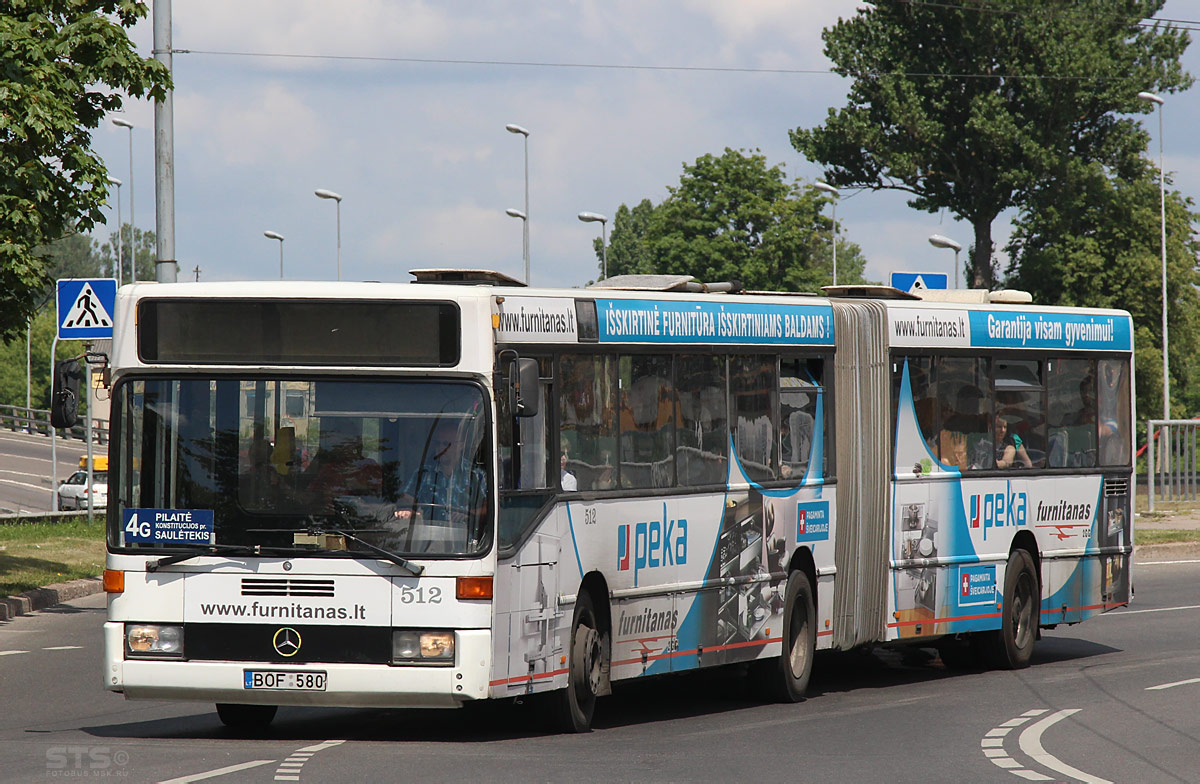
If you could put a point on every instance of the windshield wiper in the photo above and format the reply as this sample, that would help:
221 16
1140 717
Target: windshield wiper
216 549
414 569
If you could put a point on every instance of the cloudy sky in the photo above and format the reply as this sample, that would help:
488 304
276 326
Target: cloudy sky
416 144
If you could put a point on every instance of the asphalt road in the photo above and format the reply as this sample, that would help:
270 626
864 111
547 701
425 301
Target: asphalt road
1112 699
25 469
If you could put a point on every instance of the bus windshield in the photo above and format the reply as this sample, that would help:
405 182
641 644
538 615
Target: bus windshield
403 465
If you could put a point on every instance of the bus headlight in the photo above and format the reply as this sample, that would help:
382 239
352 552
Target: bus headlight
410 646
152 639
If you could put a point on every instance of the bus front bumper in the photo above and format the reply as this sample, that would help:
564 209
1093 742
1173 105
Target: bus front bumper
347 685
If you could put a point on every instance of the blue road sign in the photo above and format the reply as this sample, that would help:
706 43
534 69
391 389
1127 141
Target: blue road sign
915 281
85 308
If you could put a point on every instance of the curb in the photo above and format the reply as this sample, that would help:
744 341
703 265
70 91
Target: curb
48 596
1171 551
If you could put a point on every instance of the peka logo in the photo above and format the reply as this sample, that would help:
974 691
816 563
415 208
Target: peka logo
651 544
998 510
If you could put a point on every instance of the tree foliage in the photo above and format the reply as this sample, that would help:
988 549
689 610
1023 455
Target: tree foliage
1091 239
733 217
63 65
974 106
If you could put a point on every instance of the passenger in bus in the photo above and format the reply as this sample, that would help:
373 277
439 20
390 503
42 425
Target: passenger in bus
1010 449
567 479
340 468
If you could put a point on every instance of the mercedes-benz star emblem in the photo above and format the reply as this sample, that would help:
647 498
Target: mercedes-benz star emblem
286 642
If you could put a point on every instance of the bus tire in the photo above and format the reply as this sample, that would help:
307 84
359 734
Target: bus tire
245 717
1011 646
785 678
577 702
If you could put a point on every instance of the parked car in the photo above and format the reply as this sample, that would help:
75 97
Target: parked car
73 493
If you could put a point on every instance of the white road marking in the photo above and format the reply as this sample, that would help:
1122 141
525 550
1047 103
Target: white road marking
1167 563
289 769
1031 744
1171 685
214 773
64 648
11 653
1122 613
993 747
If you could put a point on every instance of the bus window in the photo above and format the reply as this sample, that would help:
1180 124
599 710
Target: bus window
1019 405
798 391
533 439
649 410
753 387
1113 412
587 418
965 439
703 451
1071 420
924 394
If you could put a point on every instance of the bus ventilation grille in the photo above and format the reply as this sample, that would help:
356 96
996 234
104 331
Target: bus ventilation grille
1114 488
285 586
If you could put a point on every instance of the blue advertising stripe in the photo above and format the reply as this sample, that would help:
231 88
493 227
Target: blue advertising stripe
706 323
1027 329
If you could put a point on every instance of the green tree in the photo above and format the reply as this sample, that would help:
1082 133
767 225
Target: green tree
147 252
1091 239
972 106
63 65
733 217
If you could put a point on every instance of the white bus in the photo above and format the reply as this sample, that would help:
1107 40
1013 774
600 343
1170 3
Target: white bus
366 494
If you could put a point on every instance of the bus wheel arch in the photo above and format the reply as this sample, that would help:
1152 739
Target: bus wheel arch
784 678
589 656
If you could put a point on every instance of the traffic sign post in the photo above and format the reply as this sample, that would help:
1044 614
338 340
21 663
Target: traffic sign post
919 281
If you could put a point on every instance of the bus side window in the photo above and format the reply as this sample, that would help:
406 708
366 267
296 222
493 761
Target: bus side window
587 397
1113 412
753 387
964 417
1019 403
798 391
649 410
703 452
1071 418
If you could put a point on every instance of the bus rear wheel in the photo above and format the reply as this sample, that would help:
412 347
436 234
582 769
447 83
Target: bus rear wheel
785 678
245 717
1011 646
577 702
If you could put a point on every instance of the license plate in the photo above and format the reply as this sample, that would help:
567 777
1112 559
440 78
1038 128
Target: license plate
280 680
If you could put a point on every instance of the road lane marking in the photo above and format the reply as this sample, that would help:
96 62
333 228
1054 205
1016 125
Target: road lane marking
1120 613
993 747
1172 685
11 653
1031 743
1167 563
64 648
214 773
290 768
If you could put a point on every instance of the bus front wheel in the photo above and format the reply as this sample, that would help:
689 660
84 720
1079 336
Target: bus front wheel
245 717
1011 646
785 678
577 703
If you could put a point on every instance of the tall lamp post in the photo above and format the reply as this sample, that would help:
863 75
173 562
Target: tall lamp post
938 241
514 128
513 212
115 181
324 194
595 217
1162 214
121 122
832 191
274 235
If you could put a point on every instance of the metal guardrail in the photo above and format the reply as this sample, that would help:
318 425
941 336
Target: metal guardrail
37 420
1172 467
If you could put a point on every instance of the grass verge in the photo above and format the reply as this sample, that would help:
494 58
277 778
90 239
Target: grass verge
37 553
1143 536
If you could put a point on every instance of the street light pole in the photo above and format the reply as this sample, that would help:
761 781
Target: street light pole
827 188
514 128
938 241
513 212
595 217
115 181
272 235
324 194
121 122
1162 215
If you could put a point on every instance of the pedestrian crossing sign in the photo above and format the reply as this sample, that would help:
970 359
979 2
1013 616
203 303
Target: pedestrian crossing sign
85 308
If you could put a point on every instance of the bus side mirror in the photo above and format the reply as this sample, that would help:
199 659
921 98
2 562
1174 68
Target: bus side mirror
64 396
525 387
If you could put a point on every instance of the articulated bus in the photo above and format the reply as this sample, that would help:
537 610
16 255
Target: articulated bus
428 494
